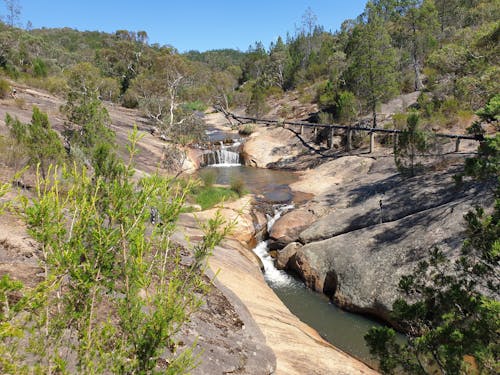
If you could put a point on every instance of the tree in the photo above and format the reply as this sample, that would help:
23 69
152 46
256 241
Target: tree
159 88
372 59
114 293
421 24
13 15
278 57
42 144
411 141
451 308
88 133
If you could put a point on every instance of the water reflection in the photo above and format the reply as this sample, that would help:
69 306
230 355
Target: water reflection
272 184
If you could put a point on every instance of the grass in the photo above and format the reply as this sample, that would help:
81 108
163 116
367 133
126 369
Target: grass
208 197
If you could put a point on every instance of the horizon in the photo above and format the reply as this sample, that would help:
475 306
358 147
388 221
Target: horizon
218 24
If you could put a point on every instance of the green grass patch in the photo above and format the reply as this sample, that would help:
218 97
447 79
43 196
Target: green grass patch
208 197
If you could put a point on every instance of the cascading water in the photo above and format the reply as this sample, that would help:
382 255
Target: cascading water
344 330
224 156
272 275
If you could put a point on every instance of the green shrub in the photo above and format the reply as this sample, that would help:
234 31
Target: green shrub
208 176
114 276
4 89
196 105
129 100
238 186
246 129
39 68
491 111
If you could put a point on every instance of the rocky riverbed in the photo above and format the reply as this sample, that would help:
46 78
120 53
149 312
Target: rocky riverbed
367 225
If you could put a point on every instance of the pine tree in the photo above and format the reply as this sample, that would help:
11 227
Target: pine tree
372 58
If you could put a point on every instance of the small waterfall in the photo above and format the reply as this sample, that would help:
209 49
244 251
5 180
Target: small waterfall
272 275
224 156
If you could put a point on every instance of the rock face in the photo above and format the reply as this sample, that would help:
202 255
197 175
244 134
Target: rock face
270 145
361 269
371 227
273 341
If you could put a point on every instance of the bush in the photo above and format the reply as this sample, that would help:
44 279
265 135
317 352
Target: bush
39 68
5 89
246 129
129 100
208 176
115 278
196 105
238 186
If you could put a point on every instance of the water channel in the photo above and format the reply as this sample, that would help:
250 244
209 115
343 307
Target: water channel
342 329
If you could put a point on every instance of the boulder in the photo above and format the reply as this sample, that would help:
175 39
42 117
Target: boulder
284 255
270 145
361 269
288 227
323 178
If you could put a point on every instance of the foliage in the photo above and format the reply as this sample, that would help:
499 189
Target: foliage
451 311
37 139
208 176
257 104
114 293
5 89
411 141
246 129
238 186
491 111
371 72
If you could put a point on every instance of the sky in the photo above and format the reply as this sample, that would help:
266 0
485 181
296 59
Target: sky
190 24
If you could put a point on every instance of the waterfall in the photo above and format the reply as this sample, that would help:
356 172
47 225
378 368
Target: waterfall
224 156
272 275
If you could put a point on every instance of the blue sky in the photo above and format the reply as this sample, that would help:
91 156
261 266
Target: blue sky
195 24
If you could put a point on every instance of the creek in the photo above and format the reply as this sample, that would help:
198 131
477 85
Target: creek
342 329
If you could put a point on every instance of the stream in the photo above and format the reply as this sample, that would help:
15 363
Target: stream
342 329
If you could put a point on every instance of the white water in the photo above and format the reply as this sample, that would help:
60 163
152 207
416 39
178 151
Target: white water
275 277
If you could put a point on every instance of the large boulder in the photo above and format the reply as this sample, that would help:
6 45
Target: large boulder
288 227
270 145
285 255
361 269
324 178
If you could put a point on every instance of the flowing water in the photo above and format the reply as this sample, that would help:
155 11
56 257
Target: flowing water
342 329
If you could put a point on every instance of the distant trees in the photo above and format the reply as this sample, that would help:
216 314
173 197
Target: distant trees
13 16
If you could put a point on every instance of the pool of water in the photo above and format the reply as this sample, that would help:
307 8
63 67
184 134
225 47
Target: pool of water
271 184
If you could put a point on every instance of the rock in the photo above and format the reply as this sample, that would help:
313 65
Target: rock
288 227
338 171
384 200
270 145
284 255
361 269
